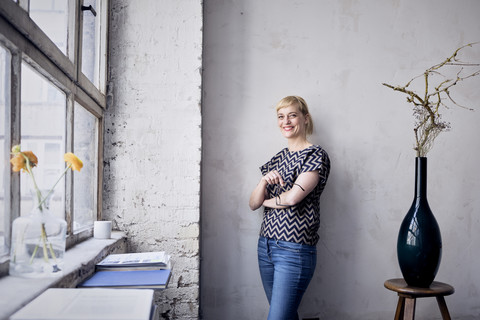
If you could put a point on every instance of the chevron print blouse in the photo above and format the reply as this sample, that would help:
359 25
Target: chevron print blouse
297 223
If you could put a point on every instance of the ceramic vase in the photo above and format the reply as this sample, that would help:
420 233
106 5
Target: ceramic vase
419 245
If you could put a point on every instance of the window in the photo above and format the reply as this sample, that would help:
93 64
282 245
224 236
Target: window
4 83
42 123
52 100
52 17
86 148
93 42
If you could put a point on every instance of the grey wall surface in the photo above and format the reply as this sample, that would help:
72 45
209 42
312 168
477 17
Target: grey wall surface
336 54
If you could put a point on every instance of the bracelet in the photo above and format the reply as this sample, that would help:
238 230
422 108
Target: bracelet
299 186
278 200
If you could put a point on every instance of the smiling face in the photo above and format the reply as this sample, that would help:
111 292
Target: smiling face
292 122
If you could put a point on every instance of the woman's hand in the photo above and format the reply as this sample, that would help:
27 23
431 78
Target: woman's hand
273 177
260 193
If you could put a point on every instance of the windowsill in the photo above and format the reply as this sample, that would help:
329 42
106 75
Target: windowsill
80 263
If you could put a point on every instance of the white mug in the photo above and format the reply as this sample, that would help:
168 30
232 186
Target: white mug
102 229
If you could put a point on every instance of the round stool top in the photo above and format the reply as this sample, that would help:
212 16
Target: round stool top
435 289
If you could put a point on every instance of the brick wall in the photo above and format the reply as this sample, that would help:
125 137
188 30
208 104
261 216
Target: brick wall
153 138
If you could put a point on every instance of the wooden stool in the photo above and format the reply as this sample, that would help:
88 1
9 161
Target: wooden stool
407 297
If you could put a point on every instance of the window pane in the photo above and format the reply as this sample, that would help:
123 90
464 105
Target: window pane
4 171
92 51
43 119
85 182
52 17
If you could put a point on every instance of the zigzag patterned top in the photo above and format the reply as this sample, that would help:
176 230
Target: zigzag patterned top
297 223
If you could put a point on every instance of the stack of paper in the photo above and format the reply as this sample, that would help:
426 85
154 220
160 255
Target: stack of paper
132 270
135 261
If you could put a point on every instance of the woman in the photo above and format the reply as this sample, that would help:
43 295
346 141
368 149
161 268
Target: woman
290 191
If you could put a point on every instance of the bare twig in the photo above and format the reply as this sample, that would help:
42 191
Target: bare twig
426 110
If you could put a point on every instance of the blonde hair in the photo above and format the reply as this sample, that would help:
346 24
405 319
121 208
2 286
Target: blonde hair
302 106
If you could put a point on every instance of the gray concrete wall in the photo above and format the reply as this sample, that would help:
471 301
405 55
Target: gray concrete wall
336 54
153 138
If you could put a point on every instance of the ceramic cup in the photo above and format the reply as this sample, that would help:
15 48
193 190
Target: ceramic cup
102 229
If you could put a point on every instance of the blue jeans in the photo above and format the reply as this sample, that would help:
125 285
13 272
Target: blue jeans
286 269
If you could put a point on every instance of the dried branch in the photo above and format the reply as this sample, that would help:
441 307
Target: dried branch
426 110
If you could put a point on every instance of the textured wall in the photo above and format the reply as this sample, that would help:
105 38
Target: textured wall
153 138
336 54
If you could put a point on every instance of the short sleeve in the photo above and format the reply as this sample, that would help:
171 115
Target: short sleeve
317 160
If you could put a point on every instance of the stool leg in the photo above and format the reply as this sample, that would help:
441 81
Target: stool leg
400 306
443 308
409 308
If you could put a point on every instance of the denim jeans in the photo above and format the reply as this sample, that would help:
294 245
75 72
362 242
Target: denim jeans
286 269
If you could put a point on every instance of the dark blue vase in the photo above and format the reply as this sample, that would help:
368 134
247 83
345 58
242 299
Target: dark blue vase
419 245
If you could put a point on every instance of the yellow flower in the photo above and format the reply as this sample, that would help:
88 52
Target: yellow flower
19 161
16 149
73 161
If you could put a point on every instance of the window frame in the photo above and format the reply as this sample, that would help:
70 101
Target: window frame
27 42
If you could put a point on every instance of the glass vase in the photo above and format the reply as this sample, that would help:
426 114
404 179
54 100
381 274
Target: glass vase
38 243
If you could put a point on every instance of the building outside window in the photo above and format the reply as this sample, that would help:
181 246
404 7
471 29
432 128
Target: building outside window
52 100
